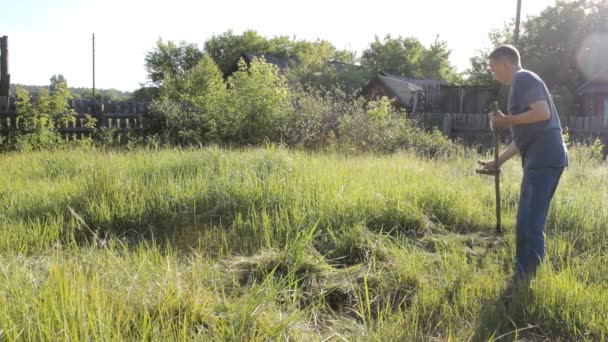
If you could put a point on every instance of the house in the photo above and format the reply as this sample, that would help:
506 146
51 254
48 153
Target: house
282 63
594 96
430 96
407 94
431 88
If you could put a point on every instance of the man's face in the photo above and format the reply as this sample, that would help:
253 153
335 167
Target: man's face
500 70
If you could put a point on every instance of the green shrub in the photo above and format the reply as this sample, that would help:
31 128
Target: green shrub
37 123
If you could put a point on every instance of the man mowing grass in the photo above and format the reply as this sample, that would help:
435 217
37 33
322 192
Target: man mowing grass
537 137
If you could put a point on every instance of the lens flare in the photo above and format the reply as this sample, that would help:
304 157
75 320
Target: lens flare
592 56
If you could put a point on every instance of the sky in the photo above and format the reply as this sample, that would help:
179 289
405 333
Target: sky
54 37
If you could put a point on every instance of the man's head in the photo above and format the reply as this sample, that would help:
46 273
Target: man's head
504 62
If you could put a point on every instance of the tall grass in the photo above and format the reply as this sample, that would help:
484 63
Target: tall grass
259 244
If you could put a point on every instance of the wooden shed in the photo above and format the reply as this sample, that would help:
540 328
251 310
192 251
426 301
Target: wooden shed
282 63
406 95
594 96
466 99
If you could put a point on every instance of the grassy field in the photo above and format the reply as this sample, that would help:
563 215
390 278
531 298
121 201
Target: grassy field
269 244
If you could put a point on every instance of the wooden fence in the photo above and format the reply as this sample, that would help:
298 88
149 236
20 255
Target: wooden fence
474 129
121 117
85 106
118 122
469 128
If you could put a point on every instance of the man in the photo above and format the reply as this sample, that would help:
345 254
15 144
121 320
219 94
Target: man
537 137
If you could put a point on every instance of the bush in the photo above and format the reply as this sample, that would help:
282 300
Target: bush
191 108
37 122
314 119
587 152
258 103
198 107
378 127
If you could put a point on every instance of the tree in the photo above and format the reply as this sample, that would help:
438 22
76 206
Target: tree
226 48
345 56
171 59
258 103
399 56
566 45
308 59
55 80
435 63
320 65
409 58
191 106
145 93
40 120
479 73
104 94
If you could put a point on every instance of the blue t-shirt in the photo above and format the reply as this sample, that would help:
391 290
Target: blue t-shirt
540 144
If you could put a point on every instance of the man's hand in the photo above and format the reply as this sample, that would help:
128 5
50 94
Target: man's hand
489 165
498 120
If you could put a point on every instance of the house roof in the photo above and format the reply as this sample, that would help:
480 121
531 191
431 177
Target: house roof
341 66
402 90
418 81
467 86
281 63
598 84
594 89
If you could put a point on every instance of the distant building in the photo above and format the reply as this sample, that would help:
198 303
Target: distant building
407 95
282 63
594 96
466 99
430 96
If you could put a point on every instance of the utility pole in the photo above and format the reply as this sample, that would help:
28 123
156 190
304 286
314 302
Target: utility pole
94 102
5 78
517 20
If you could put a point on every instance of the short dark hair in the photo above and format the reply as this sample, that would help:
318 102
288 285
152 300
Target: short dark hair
508 52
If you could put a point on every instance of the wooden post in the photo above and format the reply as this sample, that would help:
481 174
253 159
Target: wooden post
94 104
495 173
447 125
4 76
461 100
517 20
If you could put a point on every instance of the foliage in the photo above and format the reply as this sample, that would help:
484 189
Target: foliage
145 94
480 73
378 127
258 102
563 44
38 122
407 57
314 120
55 81
192 106
170 60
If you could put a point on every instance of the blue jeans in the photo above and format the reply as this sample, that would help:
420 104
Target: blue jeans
537 189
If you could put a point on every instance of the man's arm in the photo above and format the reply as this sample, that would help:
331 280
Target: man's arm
507 154
539 111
